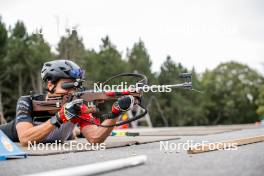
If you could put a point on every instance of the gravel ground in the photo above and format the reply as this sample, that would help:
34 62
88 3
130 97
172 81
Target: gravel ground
247 160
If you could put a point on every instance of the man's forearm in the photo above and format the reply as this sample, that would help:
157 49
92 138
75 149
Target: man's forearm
96 134
104 132
34 133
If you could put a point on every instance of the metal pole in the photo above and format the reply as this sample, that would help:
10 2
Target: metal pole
96 168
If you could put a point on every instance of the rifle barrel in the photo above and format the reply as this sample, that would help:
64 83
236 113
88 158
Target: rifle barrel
182 85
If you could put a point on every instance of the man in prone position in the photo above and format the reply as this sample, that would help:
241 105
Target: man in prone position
30 126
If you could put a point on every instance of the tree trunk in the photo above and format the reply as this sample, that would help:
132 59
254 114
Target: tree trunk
39 84
33 81
219 116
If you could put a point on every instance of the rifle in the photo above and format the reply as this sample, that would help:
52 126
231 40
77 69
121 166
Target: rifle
97 97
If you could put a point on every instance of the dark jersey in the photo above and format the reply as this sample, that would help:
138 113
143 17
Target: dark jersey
24 113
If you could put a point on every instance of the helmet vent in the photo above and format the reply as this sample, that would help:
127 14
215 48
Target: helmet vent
62 68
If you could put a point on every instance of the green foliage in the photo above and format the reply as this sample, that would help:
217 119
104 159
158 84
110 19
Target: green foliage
180 106
3 47
231 90
139 59
40 53
3 39
260 102
101 65
3 51
25 55
71 47
15 67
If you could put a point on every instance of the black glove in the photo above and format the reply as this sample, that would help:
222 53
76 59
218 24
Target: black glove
123 104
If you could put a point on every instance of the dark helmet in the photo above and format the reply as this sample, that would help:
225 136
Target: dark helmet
59 69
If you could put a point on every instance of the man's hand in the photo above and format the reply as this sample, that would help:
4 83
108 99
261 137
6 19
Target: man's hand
74 109
69 110
123 104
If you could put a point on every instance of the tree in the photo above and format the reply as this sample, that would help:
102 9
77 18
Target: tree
139 59
25 55
109 61
260 102
3 45
71 47
231 90
182 107
17 55
38 53
139 62
15 68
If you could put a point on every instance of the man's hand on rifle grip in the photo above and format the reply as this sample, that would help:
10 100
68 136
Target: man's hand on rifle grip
123 104
73 109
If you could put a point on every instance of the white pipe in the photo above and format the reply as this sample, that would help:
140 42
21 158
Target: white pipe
96 168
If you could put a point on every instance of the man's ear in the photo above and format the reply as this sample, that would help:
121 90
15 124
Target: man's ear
50 85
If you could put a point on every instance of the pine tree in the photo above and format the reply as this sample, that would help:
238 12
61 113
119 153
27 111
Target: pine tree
3 45
181 106
139 59
71 46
